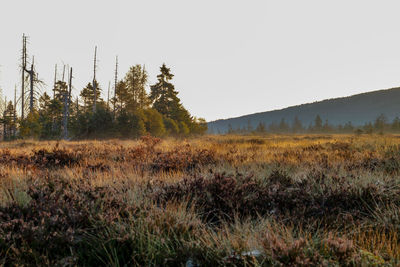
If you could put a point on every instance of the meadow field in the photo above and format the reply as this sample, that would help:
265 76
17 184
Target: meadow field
274 200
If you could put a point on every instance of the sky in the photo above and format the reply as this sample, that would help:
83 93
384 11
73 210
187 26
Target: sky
229 57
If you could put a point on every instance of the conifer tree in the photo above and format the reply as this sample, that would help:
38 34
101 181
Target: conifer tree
87 95
260 128
164 97
396 124
60 89
318 123
283 127
8 121
121 97
135 83
297 125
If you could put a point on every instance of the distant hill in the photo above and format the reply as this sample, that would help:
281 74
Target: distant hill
358 109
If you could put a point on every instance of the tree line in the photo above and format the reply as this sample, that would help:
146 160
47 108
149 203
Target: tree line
130 112
379 126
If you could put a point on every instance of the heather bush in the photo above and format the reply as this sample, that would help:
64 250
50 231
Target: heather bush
55 158
182 159
223 196
55 219
208 201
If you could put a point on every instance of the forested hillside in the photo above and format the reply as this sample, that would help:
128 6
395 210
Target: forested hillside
356 110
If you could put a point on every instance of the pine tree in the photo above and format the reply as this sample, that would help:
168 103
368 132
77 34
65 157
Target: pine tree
135 82
283 127
44 102
396 124
297 125
8 121
88 97
60 89
121 97
260 128
326 127
318 123
50 115
380 123
165 100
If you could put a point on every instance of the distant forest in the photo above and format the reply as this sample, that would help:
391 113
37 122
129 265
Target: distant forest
380 125
372 111
128 113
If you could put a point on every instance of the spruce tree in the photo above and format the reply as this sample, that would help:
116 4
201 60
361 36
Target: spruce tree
165 100
297 125
135 83
8 122
318 123
87 95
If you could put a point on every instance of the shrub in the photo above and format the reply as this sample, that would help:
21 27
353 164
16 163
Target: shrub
55 158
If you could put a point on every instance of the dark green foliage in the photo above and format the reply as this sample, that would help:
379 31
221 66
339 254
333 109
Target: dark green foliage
94 125
131 125
87 96
163 94
166 101
154 122
171 126
133 113
9 124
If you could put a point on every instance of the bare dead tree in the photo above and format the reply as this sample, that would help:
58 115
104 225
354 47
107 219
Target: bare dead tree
65 119
55 81
63 72
32 79
108 96
4 121
115 85
15 112
94 80
31 76
23 67
69 91
66 107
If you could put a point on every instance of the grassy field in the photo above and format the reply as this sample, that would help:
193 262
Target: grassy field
295 200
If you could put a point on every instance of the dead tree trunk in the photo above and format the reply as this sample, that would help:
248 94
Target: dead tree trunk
115 86
55 81
4 126
15 113
63 73
65 119
108 96
66 107
32 78
5 120
23 66
69 91
94 81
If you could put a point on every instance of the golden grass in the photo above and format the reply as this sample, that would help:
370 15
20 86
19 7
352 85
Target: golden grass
341 159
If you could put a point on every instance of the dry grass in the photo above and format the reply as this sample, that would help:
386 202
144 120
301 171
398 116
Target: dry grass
295 200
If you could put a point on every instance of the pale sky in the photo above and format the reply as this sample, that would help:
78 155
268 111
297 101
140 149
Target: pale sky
229 57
